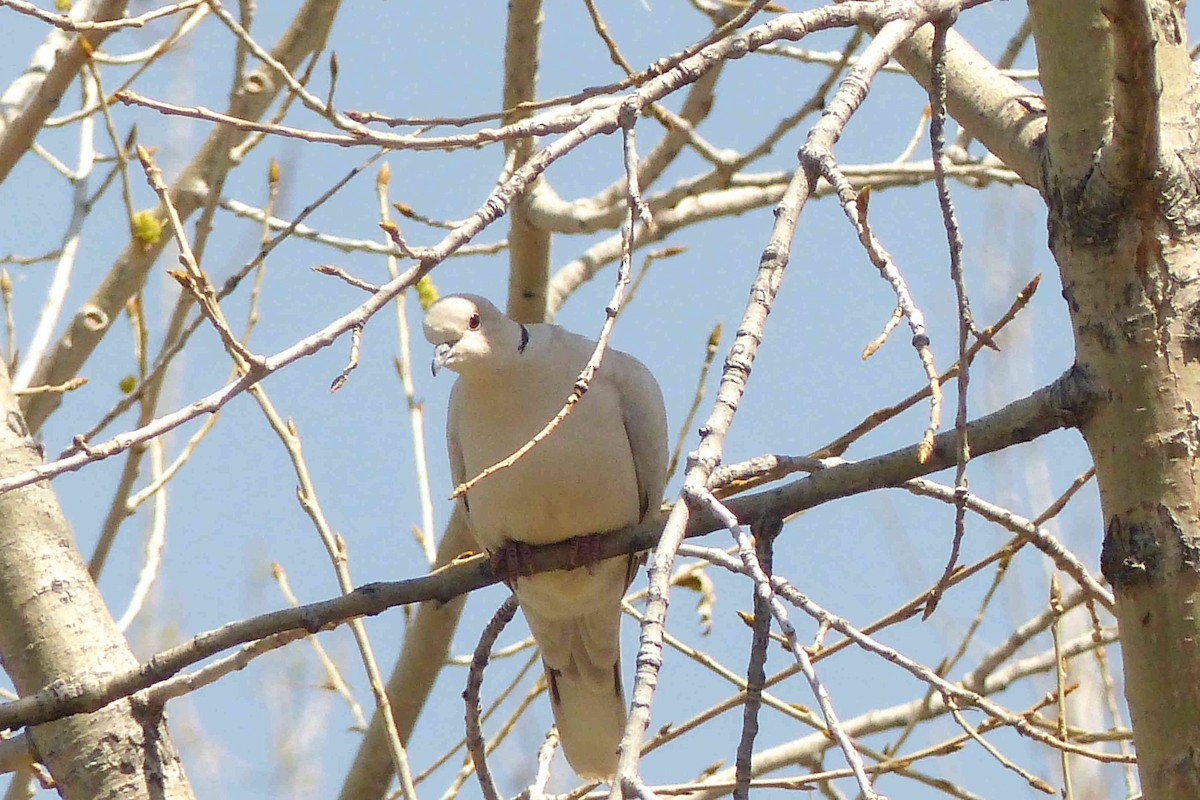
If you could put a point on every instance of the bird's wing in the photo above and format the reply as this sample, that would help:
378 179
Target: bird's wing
453 447
645 417
575 616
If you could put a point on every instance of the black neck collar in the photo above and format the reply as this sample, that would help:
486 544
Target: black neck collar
524 339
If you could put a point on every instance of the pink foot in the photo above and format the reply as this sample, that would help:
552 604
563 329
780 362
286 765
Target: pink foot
512 560
585 552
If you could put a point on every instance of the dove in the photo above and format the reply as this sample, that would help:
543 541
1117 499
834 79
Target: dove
603 468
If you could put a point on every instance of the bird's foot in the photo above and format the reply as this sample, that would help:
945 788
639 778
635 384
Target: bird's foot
585 552
512 560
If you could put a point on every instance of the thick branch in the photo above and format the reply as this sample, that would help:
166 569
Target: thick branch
1003 115
528 244
53 623
1123 209
36 94
206 171
1075 56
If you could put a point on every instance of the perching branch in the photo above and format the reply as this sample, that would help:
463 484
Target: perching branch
1064 403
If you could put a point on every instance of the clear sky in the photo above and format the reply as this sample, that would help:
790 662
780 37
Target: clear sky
270 731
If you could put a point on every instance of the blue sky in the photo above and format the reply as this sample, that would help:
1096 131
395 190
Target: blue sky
232 509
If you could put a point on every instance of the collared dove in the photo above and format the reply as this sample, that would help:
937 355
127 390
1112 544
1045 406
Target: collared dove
602 468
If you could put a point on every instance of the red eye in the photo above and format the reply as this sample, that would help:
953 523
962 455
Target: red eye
473 322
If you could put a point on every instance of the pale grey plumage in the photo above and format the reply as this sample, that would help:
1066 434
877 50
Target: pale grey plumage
603 468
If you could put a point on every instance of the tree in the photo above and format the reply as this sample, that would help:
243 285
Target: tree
966 663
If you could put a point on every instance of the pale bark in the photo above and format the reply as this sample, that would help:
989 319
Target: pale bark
1121 172
54 625
30 100
203 176
528 243
997 110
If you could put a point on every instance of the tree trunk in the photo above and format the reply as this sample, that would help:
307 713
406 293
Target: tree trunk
1120 178
54 626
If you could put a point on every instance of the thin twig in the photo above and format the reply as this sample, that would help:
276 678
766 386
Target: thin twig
908 150
1063 558
1060 677
651 257
338 272
175 343
69 386
66 23
876 418
1060 503
888 327
537 789
333 672
915 668
186 682
335 546
685 428
193 278
905 611
342 243
155 542
1113 705
947 664
295 87
475 744
937 138
416 408
352 363
1030 778
637 211
763 589
454 788
764 536
855 206
614 53
10 326
122 506
56 293
539 686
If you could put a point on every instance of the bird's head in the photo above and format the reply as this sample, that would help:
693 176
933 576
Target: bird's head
468 332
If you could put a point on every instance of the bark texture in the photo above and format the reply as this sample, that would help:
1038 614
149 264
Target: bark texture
196 185
1120 183
528 244
54 624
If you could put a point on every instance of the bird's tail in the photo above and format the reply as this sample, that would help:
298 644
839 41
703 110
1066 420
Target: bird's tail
582 659
590 720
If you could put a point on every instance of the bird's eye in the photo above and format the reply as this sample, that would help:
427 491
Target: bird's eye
473 322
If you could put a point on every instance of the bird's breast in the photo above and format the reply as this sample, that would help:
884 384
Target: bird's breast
578 480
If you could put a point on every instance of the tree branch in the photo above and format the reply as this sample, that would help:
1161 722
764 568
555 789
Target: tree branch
528 243
52 69
1065 403
206 170
1006 117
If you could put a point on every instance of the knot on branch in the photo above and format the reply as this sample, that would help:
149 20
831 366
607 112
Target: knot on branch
1075 396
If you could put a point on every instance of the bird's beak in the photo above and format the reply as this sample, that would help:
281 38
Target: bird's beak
441 354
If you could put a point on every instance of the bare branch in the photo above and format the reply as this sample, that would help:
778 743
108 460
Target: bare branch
1063 403
54 66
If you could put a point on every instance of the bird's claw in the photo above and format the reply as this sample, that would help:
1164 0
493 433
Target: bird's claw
585 552
512 560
